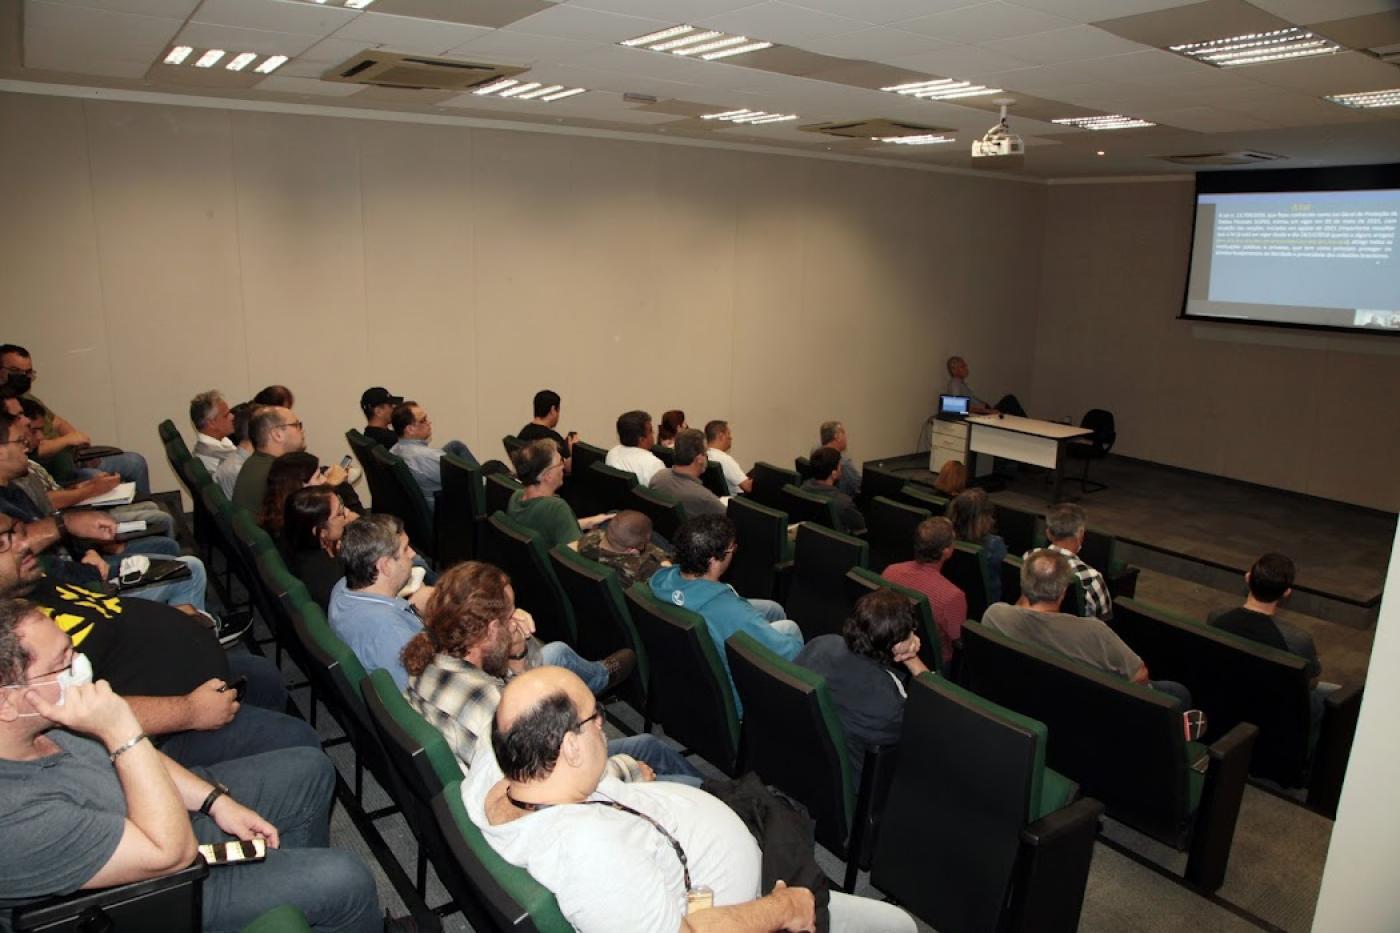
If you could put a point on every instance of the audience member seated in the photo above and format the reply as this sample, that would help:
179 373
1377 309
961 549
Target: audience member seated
90 802
538 507
628 862
672 423
1037 620
833 435
719 439
474 640
229 468
704 550
933 544
313 522
826 482
957 385
1270 582
275 431
542 426
974 520
275 397
171 669
951 479
378 404
682 481
366 610
867 669
287 474
625 545
61 437
633 452
213 423
1064 527
414 429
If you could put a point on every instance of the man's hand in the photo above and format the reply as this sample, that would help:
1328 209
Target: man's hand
418 599
646 770
336 475
909 648
801 908
74 439
210 707
92 709
98 485
593 521
91 526
239 821
95 561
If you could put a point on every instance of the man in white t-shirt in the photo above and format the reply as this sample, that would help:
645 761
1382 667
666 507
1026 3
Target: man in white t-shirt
636 437
617 856
720 439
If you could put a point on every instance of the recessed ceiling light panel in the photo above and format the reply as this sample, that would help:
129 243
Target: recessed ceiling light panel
178 55
207 58
1112 121
1367 100
750 117
1256 48
706 44
925 139
942 89
514 89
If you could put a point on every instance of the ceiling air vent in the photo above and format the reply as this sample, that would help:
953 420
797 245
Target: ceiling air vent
1242 157
416 72
874 128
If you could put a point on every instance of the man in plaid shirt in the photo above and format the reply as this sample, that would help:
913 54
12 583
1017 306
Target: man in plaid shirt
1064 527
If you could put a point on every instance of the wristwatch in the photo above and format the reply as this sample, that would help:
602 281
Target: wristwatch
219 790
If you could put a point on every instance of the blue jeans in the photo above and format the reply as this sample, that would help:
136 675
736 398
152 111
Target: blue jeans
662 758
1173 689
292 789
131 467
772 610
593 673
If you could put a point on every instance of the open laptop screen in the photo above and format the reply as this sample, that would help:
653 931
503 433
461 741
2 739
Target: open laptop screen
952 404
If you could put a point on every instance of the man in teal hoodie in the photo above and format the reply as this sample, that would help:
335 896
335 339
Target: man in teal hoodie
704 548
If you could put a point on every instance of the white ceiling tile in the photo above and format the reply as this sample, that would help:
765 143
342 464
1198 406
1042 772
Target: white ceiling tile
875 44
960 61
678 11
329 52
289 84
1091 11
784 23
66 37
880 12
169 9
310 19
518 48
1311 11
1043 81
1204 120
984 22
615 58
409 34
573 22
231 38
1064 45
1140 64
1329 74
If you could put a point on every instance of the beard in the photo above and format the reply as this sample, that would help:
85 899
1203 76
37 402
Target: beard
496 662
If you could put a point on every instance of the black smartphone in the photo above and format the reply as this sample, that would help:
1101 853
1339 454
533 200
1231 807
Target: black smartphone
239 686
345 462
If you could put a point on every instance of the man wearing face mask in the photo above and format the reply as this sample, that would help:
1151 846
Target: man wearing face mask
86 800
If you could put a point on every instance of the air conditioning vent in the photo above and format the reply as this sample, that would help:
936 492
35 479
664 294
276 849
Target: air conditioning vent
417 72
873 128
1243 157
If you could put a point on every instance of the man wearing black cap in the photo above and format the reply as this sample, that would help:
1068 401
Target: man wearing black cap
378 406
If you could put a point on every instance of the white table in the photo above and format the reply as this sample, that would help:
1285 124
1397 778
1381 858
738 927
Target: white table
1025 440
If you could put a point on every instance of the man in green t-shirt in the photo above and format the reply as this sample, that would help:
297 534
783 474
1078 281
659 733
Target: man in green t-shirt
540 470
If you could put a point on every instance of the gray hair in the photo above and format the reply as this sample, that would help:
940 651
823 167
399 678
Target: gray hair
203 406
364 542
1045 576
831 430
1063 521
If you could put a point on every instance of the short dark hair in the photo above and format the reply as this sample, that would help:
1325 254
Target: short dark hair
242 414
545 399
14 657
1045 576
972 514
1065 520
702 540
265 420
281 396
628 529
203 406
670 425
880 621
364 543
402 419
288 473
33 408
690 445
713 429
632 427
529 749
532 459
7 348
304 517
1271 577
933 536
7 421
824 462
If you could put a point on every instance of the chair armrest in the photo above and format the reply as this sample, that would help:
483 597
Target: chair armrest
876 774
170 903
1329 765
1052 868
1214 829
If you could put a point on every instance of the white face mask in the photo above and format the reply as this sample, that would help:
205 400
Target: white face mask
78 674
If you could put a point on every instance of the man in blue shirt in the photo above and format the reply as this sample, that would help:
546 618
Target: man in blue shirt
704 549
366 611
414 428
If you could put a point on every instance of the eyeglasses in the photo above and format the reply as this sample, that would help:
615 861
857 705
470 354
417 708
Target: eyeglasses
21 440
597 714
291 424
31 373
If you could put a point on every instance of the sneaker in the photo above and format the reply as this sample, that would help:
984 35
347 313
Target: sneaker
619 665
230 628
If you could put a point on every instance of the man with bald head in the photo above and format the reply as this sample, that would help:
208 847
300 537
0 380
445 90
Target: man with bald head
624 544
624 856
274 431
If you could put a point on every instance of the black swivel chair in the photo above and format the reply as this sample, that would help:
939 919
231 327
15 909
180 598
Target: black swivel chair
1094 447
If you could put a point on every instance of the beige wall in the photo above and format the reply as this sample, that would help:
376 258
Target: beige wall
151 251
1305 412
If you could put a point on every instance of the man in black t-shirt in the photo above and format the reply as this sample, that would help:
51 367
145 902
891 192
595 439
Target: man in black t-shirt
378 405
168 666
543 425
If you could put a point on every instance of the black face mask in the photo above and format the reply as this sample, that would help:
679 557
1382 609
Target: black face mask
18 382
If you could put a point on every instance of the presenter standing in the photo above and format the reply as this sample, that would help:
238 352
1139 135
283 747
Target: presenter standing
957 385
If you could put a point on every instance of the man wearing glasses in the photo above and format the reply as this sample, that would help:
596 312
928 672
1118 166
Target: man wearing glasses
274 431
414 429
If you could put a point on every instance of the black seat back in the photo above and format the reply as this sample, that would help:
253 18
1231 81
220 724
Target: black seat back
713 480
818 600
584 456
890 531
761 555
461 509
521 554
666 455
875 480
964 568
665 512
1101 422
511 443
606 487
768 481
1010 579
806 507
496 492
1021 530
600 610
921 497
363 449
803 466
404 498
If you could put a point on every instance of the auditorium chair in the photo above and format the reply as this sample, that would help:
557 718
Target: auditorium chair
875 480
667 455
768 481
713 480
806 507
803 466
690 692
363 448
793 739
281 589
219 512
890 531
1100 552
1010 580
1095 446
521 553
461 509
762 564
861 581
666 512
511 443
497 490
1236 680
168 432
511 899
817 599
404 498
604 621
921 497
964 569
606 487
1124 744
170 903
1021 530
584 456
251 543
991 840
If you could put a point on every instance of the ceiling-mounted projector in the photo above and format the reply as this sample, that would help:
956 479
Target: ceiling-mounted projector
999 147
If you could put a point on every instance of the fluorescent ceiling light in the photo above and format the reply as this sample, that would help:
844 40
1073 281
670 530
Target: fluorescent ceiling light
178 54
751 117
927 139
707 44
942 89
271 64
500 84
1258 47
209 59
534 90
358 4
1112 121
1367 100
241 60
548 98
519 89
540 92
